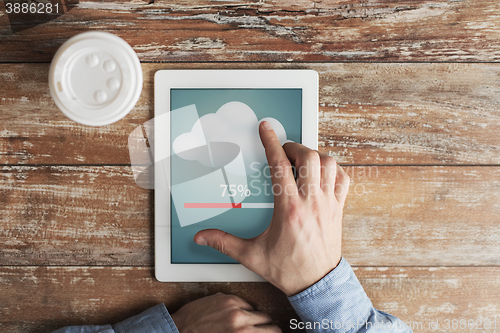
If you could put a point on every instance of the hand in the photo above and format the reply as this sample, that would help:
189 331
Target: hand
221 313
303 241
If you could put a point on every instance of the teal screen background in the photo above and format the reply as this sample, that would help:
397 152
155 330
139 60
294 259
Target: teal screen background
285 105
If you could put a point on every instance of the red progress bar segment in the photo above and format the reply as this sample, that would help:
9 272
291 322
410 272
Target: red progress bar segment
211 205
229 205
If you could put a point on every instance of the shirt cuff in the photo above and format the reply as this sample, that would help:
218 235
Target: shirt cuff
337 299
154 320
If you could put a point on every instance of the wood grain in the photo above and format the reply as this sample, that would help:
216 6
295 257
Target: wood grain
438 114
429 216
394 216
276 31
74 215
82 295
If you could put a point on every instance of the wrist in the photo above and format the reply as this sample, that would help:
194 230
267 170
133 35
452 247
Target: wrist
304 282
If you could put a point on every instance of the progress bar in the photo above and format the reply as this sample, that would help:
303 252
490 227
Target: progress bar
228 205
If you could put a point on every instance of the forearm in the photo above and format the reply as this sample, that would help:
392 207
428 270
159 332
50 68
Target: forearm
338 304
154 320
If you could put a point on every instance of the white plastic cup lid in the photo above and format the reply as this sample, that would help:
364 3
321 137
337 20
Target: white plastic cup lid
95 78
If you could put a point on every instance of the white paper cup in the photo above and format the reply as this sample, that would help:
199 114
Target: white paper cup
95 78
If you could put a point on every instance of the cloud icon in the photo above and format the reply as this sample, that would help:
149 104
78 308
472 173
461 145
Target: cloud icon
217 139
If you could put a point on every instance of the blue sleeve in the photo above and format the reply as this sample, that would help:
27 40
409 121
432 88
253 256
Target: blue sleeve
154 320
338 303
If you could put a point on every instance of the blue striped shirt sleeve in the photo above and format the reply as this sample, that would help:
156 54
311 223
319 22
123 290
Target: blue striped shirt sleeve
154 320
338 304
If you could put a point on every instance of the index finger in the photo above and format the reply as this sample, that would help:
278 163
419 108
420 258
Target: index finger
279 164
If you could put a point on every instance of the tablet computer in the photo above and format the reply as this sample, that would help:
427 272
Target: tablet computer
210 166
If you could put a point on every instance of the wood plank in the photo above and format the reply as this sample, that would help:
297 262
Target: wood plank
418 216
369 114
410 113
277 31
429 216
81 295
75 215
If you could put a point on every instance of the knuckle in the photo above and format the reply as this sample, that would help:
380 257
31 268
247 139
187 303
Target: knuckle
312 156
316 207
219 244
329 162
235 299
220 296
229 300
236 316
295 216
293 206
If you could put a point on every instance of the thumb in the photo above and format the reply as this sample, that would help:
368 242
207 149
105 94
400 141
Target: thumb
228 244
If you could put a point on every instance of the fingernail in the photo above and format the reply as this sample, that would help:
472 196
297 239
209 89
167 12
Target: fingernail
201 241
267 125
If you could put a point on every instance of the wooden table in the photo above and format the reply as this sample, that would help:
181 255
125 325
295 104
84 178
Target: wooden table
409 104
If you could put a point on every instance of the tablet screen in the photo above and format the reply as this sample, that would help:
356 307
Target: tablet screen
218 172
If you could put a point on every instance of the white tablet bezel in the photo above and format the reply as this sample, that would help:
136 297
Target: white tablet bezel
165 80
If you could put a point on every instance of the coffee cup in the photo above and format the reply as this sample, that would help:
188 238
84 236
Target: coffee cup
95 78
